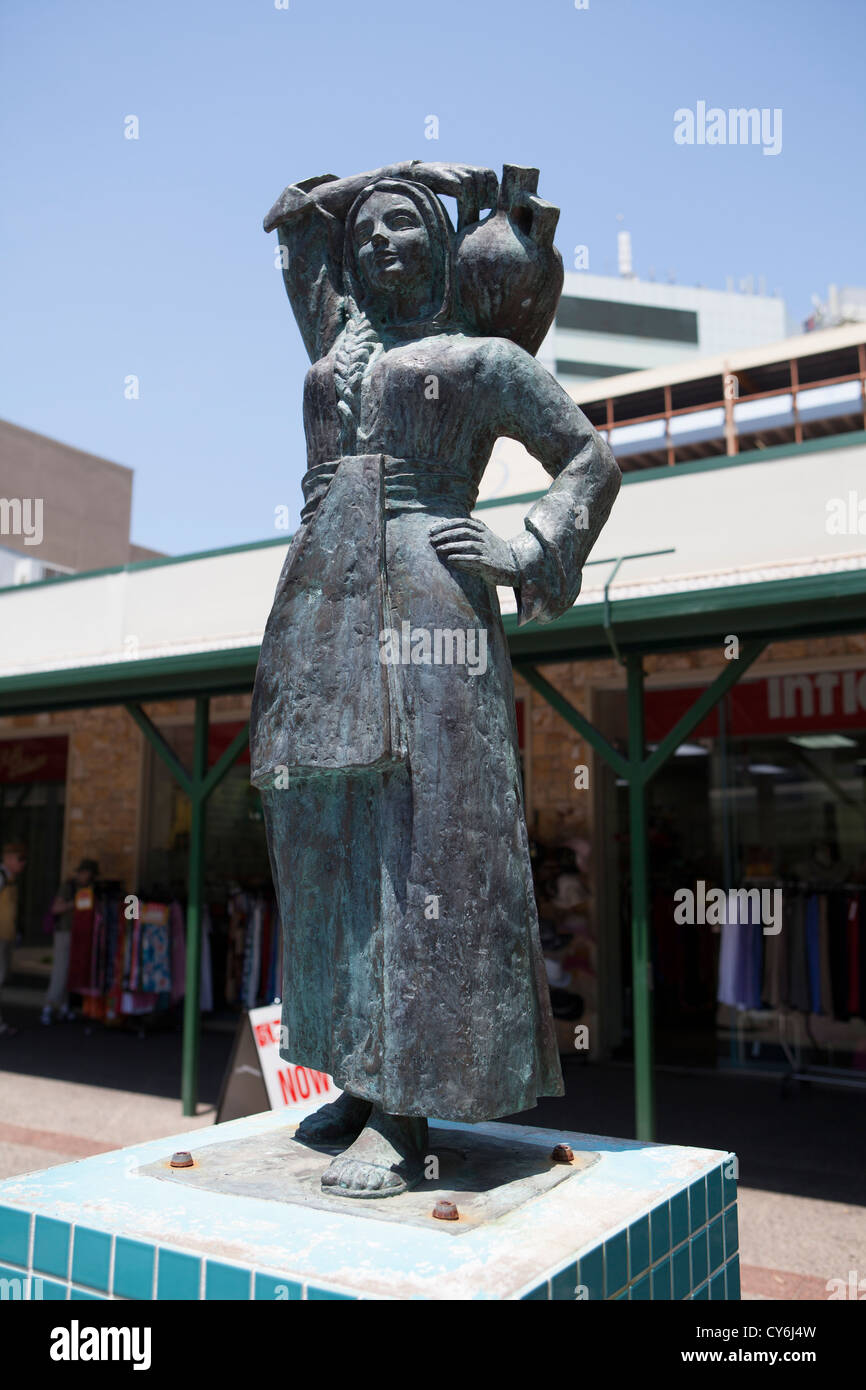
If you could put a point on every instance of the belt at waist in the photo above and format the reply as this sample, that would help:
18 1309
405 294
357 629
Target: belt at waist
408 485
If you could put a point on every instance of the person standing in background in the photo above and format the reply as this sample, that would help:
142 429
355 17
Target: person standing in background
62 909
14 858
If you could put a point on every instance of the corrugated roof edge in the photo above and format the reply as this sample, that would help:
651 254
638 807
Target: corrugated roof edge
775 609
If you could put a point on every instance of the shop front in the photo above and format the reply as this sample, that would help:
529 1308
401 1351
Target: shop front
757 869
33 771
707 784
241 948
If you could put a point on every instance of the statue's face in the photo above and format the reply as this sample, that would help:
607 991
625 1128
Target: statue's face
392 247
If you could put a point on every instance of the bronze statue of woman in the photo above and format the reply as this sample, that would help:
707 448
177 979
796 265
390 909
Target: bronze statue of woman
383 730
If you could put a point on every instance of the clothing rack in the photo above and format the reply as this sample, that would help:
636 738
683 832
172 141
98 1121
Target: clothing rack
242 956
798 1070
128 970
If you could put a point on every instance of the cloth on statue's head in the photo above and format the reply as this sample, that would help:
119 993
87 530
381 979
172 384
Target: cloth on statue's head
439 231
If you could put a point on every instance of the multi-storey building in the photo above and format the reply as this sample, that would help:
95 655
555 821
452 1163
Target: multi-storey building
61 509
610 324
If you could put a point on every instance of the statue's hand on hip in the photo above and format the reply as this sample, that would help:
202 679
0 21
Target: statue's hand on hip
470 546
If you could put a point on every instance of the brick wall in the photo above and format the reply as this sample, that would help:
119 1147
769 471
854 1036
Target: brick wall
102 792
103 783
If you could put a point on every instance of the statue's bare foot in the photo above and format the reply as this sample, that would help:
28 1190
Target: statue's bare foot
386 1159
341 1121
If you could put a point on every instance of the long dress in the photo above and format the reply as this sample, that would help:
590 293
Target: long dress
412 964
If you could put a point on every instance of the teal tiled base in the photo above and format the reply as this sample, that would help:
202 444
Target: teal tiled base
647 1221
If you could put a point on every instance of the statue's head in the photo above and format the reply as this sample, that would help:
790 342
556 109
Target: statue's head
397 255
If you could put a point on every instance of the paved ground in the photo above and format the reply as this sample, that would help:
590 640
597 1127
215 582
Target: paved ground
66 1092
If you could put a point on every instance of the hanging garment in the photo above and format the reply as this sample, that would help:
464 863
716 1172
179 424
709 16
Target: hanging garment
235 949
206 973
824 956
853 934
837 927
97 950
729 946
813 951
178 952
8 909
252 946
861 915
134 955
113 917
136 1002
756 961
774 967
114 993
740 956
255 934
81 942
264 952
798 972
275 967
155 974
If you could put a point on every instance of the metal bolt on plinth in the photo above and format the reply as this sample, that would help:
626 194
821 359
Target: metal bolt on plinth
446 1211
182 1159
562 1154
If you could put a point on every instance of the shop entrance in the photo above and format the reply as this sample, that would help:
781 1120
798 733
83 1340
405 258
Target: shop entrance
32 796
768 794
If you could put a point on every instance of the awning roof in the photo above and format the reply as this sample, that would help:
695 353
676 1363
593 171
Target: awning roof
712 527
736 550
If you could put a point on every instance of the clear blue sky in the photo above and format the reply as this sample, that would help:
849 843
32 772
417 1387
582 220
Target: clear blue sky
147 257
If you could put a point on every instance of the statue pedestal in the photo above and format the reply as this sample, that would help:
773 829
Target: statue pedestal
624 1220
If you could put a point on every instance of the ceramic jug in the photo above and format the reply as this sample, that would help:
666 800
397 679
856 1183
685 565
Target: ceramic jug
519 300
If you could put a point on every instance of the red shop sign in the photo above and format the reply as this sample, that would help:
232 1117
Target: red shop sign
33 760
791 704
220 736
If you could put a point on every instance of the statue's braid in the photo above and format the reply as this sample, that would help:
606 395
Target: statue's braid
355 347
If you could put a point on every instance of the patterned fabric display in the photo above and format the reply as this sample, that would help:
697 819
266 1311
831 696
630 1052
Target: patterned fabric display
155 968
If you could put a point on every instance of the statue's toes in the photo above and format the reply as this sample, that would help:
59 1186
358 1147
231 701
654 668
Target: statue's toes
355 1176
346 1175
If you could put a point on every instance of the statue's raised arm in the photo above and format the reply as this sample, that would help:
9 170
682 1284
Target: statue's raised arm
309 218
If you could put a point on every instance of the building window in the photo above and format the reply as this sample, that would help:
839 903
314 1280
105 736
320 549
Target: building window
627 320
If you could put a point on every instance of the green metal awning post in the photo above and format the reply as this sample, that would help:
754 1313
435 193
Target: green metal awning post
706 701
226 760
198 787
161 746
194 908
641 966
637 770
573 716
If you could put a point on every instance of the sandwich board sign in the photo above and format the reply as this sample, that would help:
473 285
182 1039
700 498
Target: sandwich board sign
257 1077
